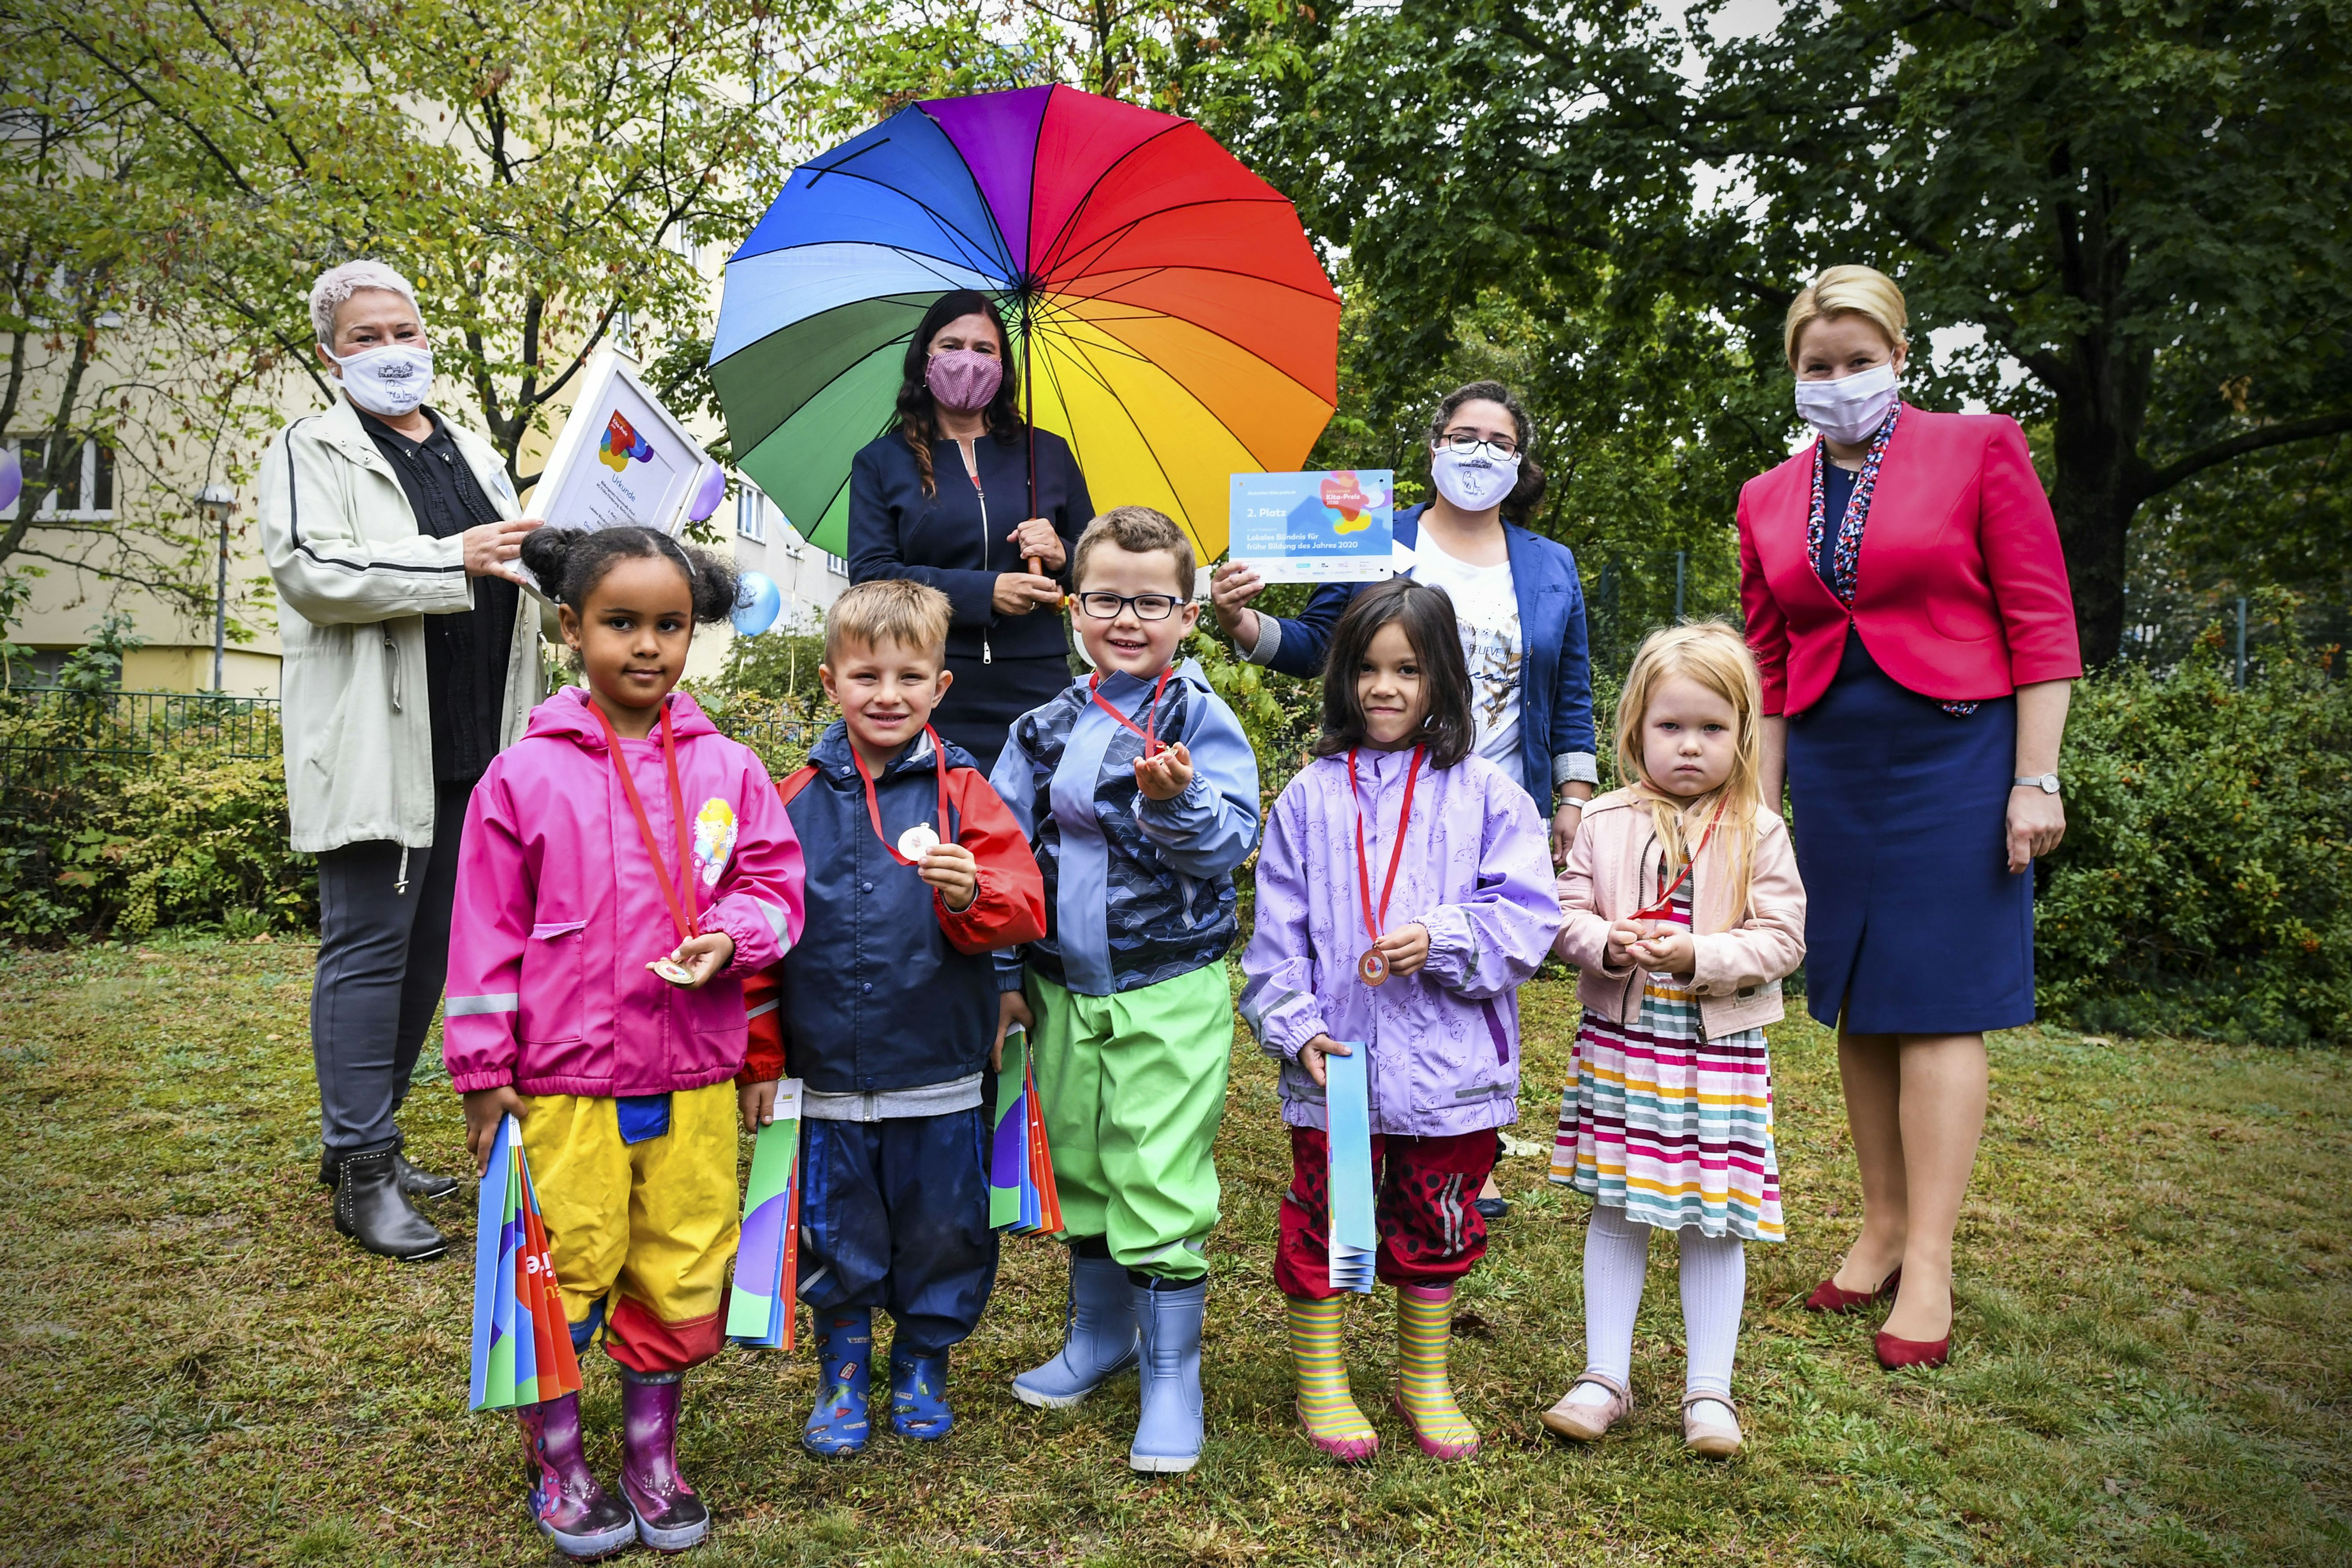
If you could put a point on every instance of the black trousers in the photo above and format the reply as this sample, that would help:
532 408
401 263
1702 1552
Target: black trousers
383 953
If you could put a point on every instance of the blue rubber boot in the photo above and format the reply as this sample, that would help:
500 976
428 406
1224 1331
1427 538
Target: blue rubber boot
838 1426
918 1396
1168 1432
1098 1339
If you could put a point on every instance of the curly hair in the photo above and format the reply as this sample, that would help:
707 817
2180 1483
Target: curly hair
571 562
918 420
1528 493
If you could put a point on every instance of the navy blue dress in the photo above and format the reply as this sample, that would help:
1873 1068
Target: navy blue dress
954 540
1913 923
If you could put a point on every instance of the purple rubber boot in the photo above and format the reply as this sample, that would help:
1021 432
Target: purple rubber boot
571 1509
670 1518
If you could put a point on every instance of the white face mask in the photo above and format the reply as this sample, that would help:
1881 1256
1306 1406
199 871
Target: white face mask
392 381
1473 483
1851 408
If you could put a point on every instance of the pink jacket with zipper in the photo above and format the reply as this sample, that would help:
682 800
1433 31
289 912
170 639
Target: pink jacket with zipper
558 911
1742 955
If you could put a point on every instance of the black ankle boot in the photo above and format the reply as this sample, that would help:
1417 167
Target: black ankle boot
371 1209
418 1182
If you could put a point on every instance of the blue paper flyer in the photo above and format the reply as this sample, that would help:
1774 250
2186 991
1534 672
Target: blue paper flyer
1354 1241
1332 526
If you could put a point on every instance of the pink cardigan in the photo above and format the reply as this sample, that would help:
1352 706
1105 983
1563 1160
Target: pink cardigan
1962 590
1612 871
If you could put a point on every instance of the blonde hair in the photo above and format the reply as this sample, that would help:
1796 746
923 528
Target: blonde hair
1138 530
1848 291
889 609
1711 653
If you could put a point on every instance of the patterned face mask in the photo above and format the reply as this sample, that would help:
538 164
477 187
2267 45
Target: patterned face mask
1473 483
392 381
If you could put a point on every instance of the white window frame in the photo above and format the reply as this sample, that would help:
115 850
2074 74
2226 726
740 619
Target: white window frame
751 513
834 564
49 509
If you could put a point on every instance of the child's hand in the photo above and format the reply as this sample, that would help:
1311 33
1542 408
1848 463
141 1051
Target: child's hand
1671 952
1406 948
1311 1055
951 868
484 1109
1622 936
758 1104
1164 776
1012 1008
703 956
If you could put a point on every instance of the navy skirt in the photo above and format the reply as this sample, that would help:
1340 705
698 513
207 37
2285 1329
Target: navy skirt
980 706
1913 922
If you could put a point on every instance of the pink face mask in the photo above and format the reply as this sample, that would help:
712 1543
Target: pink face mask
964 378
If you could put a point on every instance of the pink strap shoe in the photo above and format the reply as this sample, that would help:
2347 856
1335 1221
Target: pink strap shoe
1589 1422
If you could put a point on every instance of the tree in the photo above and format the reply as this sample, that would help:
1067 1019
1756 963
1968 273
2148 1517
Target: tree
2144 209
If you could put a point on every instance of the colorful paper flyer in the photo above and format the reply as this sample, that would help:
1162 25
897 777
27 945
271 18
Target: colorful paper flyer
1022 1199
1348 1099
522 1342
760 1311
1333 526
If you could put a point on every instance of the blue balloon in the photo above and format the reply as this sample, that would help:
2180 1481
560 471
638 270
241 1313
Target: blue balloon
12 477
709 494
757 604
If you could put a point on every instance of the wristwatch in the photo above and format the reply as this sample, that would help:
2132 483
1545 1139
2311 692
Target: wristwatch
2045 782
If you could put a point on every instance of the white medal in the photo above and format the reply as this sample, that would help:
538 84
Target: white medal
917 842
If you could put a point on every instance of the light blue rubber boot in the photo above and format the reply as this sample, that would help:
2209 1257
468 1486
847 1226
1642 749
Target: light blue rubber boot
1099 1337
838 1426
1168 1433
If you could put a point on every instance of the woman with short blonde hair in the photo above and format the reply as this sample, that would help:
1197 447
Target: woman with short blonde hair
1909 612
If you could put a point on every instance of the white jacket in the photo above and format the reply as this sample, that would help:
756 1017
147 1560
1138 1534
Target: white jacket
356 580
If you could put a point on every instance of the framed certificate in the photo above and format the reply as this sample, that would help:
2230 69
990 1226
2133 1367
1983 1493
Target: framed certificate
621 458
1335 526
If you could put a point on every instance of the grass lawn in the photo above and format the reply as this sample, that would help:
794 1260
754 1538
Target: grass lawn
2154 1363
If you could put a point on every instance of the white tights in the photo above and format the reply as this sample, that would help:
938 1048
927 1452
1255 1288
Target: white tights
1715 1282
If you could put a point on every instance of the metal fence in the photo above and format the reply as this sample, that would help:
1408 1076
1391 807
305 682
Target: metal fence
46 731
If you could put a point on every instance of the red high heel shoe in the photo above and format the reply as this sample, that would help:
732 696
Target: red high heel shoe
1829 1296
1894 1354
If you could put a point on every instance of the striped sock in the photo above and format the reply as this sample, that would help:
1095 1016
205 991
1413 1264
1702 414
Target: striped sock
1324 1402
1425 1319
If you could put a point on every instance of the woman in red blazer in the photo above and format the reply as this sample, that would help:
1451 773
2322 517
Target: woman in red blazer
1908 606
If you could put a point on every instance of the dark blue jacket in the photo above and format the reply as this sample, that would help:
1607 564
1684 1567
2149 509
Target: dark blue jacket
896 530
887 989
1556 702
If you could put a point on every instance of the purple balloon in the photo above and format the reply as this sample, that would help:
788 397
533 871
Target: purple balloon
712 490
12 477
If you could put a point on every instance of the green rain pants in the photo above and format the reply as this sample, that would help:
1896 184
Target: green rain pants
1133 1087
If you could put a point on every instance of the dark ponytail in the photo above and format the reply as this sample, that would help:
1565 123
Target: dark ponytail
571 562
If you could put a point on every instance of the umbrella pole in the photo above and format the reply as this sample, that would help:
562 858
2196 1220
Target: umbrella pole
1029 409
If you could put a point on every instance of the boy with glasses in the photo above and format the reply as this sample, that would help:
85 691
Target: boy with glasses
1139 792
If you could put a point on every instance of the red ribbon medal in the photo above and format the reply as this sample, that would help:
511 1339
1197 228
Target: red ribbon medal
1664 908
873 808
678 897
1151 736
1372 969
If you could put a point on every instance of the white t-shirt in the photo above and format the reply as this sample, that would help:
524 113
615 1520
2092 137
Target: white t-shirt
1492 645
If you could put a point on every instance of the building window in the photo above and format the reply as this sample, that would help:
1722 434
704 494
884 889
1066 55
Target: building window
835 565
83 493
752 514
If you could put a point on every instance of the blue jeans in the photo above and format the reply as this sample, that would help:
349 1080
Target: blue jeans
894 1215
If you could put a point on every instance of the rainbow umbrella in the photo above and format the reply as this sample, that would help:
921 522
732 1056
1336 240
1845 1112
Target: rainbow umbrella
1172 322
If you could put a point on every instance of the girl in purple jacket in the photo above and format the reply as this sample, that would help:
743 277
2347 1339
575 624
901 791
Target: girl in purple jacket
624 866
1404 892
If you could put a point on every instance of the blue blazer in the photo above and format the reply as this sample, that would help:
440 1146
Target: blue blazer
1556 701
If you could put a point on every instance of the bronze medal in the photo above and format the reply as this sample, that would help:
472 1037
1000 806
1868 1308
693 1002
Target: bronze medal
1371 969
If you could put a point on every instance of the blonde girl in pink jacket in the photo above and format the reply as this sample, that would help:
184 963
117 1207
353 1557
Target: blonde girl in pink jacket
624 866
1683 912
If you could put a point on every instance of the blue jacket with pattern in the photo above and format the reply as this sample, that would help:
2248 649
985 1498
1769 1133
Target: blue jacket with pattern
1138 891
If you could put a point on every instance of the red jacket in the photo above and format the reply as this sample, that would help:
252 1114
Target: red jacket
1960 593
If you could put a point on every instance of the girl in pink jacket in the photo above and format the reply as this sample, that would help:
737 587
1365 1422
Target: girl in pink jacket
1684 911
624 866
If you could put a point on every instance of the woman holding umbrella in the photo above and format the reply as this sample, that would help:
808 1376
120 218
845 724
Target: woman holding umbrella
964 494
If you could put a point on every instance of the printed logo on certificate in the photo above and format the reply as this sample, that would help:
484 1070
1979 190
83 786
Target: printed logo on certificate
1332 526
621 459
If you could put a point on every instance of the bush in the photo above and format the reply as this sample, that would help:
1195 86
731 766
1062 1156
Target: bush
2202 888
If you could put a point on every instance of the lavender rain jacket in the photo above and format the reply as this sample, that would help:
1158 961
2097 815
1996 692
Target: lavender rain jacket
1477 874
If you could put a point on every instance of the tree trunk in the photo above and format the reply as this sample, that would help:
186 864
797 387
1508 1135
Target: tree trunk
2094 495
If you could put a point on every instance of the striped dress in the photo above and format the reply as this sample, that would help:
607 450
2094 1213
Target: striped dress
1673 1129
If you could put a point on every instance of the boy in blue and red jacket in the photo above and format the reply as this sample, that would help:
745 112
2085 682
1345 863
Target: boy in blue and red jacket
886 1011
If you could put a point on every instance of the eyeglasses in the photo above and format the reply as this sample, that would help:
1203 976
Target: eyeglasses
1147 606
1461 443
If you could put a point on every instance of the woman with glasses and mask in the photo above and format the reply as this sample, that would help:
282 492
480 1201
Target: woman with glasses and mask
964 495
1515 600
1908 608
